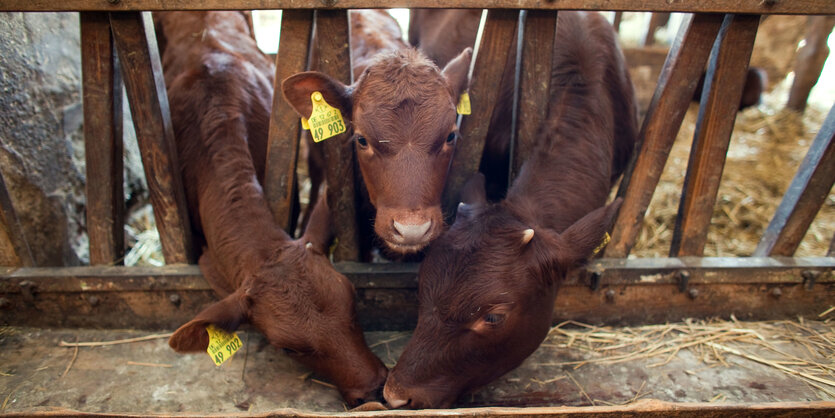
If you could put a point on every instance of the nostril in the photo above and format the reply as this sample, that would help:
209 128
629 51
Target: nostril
359 401
412 232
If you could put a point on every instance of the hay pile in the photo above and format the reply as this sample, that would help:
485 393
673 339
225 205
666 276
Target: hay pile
767 146
802 349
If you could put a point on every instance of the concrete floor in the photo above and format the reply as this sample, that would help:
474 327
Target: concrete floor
148 377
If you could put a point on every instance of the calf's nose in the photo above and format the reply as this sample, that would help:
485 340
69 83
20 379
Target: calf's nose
411 232
392 398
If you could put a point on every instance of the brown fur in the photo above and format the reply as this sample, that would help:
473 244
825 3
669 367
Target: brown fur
220 93
403 107
487 296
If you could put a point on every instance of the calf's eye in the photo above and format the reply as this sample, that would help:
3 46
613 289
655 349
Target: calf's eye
450 138
363 143
494 318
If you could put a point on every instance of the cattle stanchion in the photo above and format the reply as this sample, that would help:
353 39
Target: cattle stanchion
103 146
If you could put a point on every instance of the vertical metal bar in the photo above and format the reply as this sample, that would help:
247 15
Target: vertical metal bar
724 82
283 145
489 67
142 72
102 91
335 60
676 84
804 197
517 76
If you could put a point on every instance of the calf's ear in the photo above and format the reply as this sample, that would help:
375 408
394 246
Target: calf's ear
226 314
319 233
298 87
457 72
583 238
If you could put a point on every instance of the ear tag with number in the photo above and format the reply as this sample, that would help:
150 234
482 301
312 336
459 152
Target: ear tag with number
606 239
463 107
325 121
305 125
222 345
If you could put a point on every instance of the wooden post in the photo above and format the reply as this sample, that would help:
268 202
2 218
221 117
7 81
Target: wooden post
810 60
676 84
617 20
724 82
804 197
335 60
657 20
14 250
283 145
490 62
535 80
142 72
102 89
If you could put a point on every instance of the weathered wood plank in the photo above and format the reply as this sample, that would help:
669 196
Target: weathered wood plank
102 91
804 197
283 145
535 80
810 60
496 41
690 6
642 291
676 84
142 72
724 81
334 59
14 249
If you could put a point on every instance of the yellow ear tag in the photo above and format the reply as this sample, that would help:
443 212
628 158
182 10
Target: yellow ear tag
325 121
305 125
606 239
463 107
222 345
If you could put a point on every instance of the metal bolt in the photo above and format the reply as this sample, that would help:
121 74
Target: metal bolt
594 279
776 292
683 278
809 278
175 300
93 300
610 295
27 290
693 293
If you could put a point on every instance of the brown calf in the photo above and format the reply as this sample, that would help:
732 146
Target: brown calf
487 286
220 93
400 113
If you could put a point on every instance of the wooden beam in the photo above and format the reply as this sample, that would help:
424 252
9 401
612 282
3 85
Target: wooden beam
283 145
689 6
676 84
804 197
142 72
334 59
643 291
103 146
535 81
496 42
14 249
724 81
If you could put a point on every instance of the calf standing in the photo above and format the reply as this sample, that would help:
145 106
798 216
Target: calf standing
220 93
400 113
487 286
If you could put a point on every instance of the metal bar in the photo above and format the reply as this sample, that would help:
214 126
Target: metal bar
804 197
689 6
535 84
142 72
490 61
335 60
283 145
724 81
676 84
102 91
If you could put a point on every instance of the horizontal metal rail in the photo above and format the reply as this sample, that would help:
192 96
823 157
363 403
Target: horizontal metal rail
692 6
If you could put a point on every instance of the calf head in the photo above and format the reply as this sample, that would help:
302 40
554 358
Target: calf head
486 293
401 117
304 306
